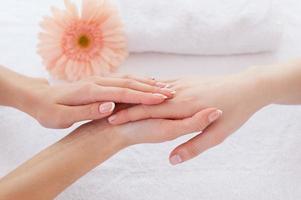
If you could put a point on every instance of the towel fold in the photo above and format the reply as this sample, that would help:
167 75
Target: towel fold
206 27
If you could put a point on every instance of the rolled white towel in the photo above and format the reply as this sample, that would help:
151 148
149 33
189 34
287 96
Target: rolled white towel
202 27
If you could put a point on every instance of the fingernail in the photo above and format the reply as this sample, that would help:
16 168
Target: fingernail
112 118
161 85
176 159
168 90
215 115
160 95
106 107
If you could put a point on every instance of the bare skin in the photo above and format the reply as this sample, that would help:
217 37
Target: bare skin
62 105
54 169
239 96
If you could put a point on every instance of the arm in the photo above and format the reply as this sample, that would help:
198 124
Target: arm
62 105
282 82
239 96
51 171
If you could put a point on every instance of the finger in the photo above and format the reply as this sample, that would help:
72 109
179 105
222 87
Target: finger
73 114
124 95
150 81
141 112
167 130
133 84
199 122
212 137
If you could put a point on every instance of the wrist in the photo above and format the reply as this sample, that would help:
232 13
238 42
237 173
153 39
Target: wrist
112 134
258 86
278 84
17 90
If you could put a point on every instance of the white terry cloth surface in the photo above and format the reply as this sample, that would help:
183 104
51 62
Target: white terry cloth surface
260 161
206 27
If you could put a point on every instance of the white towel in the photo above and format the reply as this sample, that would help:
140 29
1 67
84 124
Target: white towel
202 27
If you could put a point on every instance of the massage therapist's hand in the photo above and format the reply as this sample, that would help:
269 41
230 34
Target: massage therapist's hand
238 96
62 105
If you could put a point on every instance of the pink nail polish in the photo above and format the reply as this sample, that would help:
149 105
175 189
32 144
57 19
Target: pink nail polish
112 118
176 159
106 108
160 95
215 115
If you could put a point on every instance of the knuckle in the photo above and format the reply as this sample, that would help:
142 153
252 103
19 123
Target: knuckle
204 123
91 110
88 87
126 76
123 93
153 89
89 79
91 91
128 83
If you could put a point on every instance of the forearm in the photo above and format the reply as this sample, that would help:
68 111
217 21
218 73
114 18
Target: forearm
51 171
286 83
276 84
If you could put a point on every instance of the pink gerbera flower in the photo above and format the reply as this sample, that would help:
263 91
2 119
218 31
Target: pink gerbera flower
74 46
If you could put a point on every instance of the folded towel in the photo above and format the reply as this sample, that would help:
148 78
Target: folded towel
207 27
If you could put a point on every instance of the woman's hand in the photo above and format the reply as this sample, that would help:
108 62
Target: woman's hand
62 105
162 130
87 147
238 96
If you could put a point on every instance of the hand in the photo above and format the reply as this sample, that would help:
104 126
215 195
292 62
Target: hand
87 147
238 96
62 105
154 130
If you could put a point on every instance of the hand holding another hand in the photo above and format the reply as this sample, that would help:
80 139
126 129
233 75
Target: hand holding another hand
239 96
153 130
62 105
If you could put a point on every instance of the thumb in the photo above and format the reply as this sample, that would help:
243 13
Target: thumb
93 111
212 137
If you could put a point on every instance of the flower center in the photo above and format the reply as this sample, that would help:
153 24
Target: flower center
83 41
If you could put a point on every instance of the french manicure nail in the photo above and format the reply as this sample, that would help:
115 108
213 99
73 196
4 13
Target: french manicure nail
161 85
215 115
112 118
160 95
106 107
176 159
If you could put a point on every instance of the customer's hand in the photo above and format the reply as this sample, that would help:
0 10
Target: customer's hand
62 105
238 96
153 130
